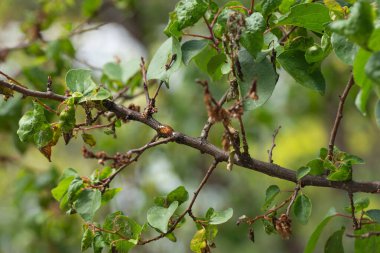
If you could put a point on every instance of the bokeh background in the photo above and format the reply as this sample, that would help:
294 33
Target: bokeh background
30 219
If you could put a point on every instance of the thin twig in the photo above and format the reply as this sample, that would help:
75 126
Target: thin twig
293 198
286 35
365 235
145 81
270 151
354 220
251 7
198 36
188 209
339 116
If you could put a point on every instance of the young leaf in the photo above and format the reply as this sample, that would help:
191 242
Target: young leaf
192 48
310 246
43 136
314 54
198 243
373 42
344 48
89 139
179 194
359 204
372 68
312 16
323 152
334 243
316 167
302 208
31 122
263 73
61 189
293 61
269 6
343 173
215 65
369 244
158 217
185 14
252 37
109 194
358 27
74 187
303 171
89 7
87 239
165 61
221 217
374 214
270 194
80 80
88 202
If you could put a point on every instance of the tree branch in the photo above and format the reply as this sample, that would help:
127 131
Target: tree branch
339 116
204 146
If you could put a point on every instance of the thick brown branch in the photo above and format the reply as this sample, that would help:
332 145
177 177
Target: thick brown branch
204 146
339 116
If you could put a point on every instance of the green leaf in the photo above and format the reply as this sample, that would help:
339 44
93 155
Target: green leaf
43 136
316 167
372 68
198 243
293 61
87 239
113 71
343 173
270 194
303 171
374 214
166 60
352 159
185 14
31 122
89 139
221 217
302 208
67 116
285 5
264 74
312 16
74 187
89 7
373 42
323 152
370 244
88 202
61 189
310 246
215 65
359 204
334 243
192 48
252 37
269 6
123 246
179 194
268 227
80 80
314 54
344 48
158 217
361 99
358 27
109 194
203 58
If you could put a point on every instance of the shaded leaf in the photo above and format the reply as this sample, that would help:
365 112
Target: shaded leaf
310 246
270 194
302 208
372 67
334 243
374 214
312 16
87 239
293 61
359 204
89 139
370 244
179 194
263 73
192 48
252 37
344 48
303 171
88 203
358 27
